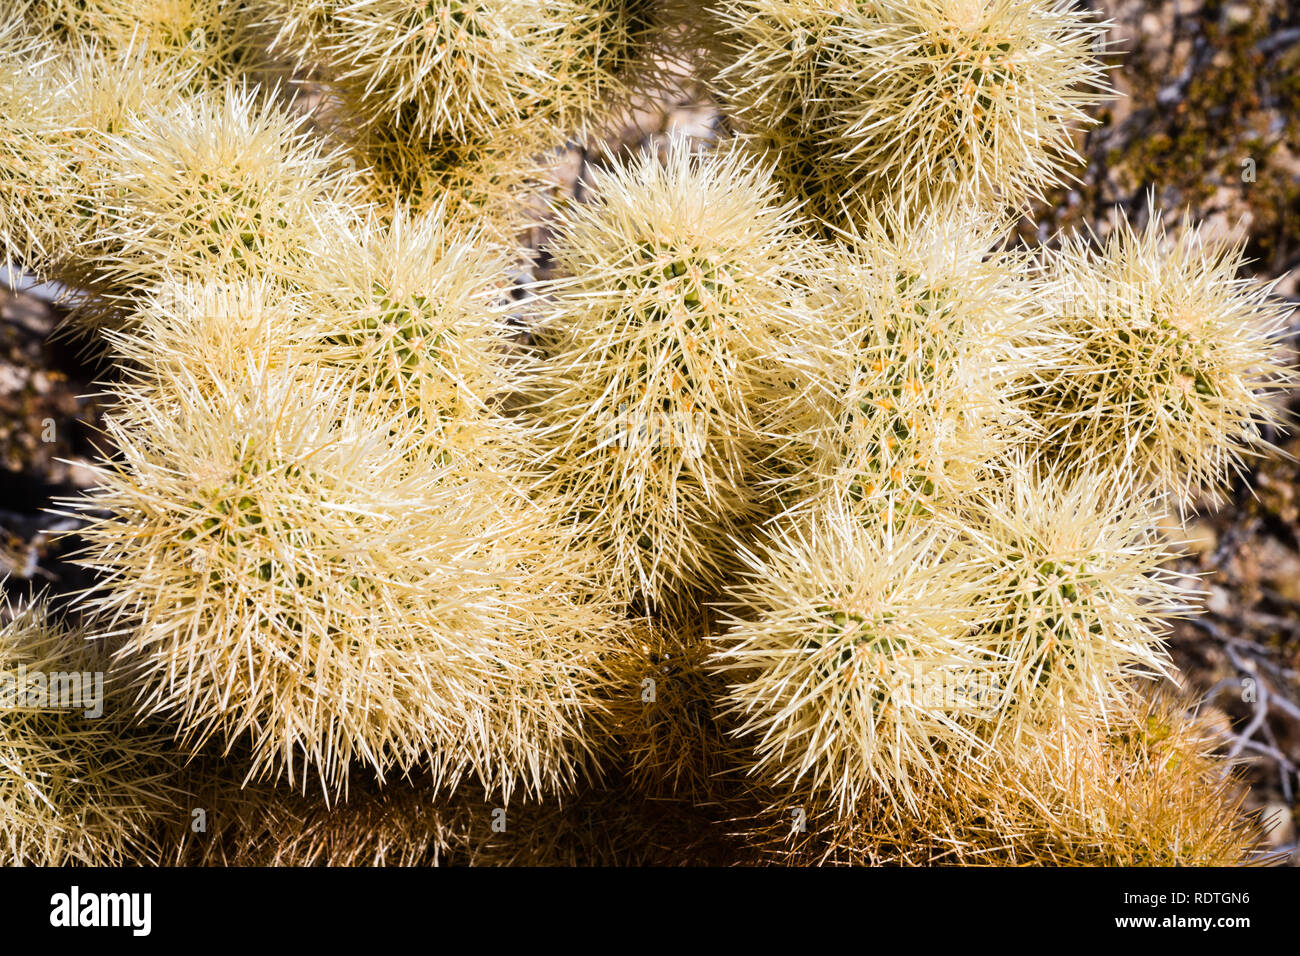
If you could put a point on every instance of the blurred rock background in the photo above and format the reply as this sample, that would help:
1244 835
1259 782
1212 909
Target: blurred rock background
1207 123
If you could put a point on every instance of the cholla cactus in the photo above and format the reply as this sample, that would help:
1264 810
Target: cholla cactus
853 658
210 40
219 185
1149 790
58 108
923 334
202 334
408 310
447 66
908 101
25 157
665 362
464 68
292 567
79 782
787 487
1168 363
1076 577
405 313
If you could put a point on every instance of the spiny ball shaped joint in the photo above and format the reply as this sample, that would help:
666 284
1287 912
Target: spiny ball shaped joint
1167 363
911 103
850 657
676 306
